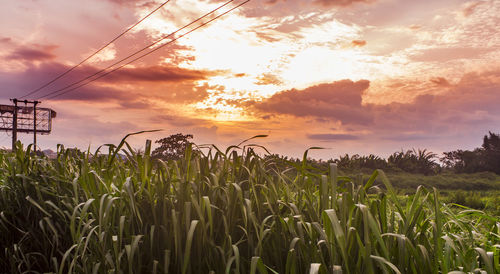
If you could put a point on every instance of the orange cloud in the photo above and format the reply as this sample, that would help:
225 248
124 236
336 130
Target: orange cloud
268 79
358 43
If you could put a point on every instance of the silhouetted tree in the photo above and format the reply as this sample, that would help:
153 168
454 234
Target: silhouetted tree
356 162
415 161
491 148
172 147
464 161
485 158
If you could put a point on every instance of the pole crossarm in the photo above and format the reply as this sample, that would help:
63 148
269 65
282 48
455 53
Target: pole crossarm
25 119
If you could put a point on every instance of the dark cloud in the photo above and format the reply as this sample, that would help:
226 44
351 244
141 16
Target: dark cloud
470 104
339 100
169 84
32 53
168 93
332 137
95 94
21 83
157 74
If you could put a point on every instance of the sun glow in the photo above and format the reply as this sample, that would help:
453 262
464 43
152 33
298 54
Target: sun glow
260 58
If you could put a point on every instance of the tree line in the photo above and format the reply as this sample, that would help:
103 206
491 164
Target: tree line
421 161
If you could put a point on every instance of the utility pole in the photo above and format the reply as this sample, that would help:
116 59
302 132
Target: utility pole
15 118
25 119
14 125
34 123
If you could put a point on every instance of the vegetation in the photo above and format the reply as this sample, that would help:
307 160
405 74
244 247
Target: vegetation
415 161
420 161
226 212
356 162
485 158
172 147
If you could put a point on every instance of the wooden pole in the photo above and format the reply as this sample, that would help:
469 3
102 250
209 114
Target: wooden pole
34 124
14 125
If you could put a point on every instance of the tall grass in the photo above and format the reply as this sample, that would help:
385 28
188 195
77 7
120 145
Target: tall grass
224 212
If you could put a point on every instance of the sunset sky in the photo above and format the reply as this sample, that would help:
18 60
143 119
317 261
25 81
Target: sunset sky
354 76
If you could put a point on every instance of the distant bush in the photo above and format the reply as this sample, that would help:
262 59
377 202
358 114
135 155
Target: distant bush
468 199
483 181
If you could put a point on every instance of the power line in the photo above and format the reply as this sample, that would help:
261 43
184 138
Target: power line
93 54
83 83
130 56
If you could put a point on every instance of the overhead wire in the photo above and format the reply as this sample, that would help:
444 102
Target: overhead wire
93 54
82 82
62 90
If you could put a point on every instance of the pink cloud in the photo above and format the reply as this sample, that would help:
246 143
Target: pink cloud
440 81
5 40
169 84
340 100
33 53
471 104
470 8
341 2
132 2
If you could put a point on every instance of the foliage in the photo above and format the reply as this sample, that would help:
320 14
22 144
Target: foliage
356 162
485 158
172 147
461 161
491 148
409 182
225 212
415 161
472 200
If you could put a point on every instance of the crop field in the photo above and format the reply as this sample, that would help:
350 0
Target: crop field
227 211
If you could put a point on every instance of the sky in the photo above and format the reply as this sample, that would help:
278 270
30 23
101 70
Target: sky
352 76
